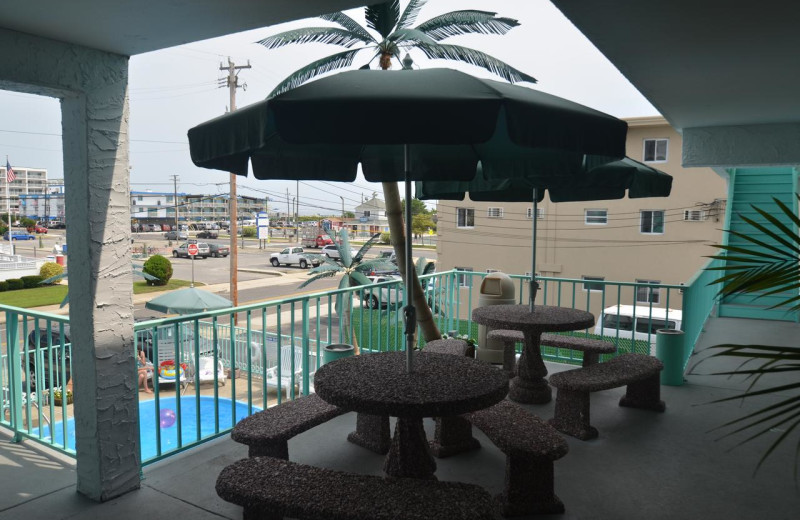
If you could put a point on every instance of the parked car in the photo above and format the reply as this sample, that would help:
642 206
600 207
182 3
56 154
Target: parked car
18 235
176 235
38 228
57 224
153 227
294 255
183 250
331 252
166 227
392 295
207 233
51 356
219 250
622 321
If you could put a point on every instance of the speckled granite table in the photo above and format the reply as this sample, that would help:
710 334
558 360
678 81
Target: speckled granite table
529 385
441 385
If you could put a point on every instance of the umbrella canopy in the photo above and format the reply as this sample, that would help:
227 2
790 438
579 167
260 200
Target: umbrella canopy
188 301
322 130
435 124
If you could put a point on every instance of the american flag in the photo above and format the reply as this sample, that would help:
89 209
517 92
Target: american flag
10 175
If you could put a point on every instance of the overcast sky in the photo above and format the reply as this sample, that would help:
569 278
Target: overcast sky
175 89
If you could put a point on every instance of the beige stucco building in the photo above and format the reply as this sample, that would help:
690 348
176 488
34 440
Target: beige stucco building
661 240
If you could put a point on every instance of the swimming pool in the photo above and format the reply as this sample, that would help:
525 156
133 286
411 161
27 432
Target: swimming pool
149 423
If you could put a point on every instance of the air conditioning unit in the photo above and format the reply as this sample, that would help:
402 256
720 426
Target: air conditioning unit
495 213
694 215
539 213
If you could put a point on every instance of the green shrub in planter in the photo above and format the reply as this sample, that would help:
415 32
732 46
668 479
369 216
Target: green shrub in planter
30 282
3 286
386 238
50 269
160 267
249 232
14 284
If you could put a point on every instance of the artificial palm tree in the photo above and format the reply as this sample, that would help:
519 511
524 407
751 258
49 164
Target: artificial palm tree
765 268
397 32
354 269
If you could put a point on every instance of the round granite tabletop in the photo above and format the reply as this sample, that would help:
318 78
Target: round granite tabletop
542 319
440 384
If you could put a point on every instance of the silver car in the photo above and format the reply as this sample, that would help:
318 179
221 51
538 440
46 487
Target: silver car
203 251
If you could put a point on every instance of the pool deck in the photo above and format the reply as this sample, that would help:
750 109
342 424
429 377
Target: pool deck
643 465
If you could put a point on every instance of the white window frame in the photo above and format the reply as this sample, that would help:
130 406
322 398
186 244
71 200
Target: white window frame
587 217
694 215
593 279
648 295
464 280
539 213
489 270
467 212
651 232
656 141
494 212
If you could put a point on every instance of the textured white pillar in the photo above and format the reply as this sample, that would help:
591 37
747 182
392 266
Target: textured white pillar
93 88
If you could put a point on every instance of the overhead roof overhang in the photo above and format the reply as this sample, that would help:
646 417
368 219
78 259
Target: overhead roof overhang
724 73
132 27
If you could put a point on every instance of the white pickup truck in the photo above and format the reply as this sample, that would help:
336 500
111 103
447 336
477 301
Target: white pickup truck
294 255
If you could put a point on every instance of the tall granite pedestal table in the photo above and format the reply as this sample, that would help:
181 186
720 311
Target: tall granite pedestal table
440 385
529 385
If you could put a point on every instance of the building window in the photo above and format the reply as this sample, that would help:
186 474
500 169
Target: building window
169 199
596 217
465 217
655 150
648 294
141 198
593 283
490 270
694 215
652 222
366 213
158 203
464 280
495 213
539 213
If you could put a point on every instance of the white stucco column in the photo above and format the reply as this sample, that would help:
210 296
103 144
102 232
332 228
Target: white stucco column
93 88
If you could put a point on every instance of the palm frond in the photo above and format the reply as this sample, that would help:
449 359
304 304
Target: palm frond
466 22
410 14
409 36
318 275
367 246
359 279
477 58
314 69
350 25
377 264
383 17
329 35
54 279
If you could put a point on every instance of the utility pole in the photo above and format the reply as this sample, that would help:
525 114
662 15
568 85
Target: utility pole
297 212
288 210
342 207
233 84
175 200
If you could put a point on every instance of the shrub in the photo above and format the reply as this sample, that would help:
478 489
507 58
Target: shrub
160 267
50 269
31 281
15 284
249 232
3 286
386 238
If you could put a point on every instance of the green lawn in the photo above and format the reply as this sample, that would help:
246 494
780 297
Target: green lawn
54 294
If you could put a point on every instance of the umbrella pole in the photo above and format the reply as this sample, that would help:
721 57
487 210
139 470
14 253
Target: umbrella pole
534 286
410 311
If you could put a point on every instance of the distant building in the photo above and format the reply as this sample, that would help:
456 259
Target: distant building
659 240
148 207
29 181
370 217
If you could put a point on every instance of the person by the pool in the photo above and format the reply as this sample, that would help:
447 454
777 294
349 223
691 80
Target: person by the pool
144 368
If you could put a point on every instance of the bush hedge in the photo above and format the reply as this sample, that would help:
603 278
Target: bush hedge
50 269
29 282
3 286
249 232
160 267
386 238
15 284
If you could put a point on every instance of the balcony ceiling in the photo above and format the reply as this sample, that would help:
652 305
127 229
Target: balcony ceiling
709 64
134 27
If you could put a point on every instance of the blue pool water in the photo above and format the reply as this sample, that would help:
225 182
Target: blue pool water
149 420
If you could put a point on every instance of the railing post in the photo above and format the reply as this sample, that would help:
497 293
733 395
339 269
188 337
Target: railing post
15 382
306 332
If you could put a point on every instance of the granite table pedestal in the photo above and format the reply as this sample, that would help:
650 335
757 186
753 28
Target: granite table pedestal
440 385
529 386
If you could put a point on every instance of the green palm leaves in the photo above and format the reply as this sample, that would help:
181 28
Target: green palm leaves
395 33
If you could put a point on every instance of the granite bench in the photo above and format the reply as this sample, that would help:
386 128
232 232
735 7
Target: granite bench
269 488
267 433
638 371
531 446
591 348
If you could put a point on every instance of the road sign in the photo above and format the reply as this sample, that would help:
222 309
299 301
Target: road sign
192 249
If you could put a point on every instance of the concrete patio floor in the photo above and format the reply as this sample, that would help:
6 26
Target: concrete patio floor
643 465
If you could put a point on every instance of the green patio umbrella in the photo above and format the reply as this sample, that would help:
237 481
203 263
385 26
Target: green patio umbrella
606 181
188 301
435 124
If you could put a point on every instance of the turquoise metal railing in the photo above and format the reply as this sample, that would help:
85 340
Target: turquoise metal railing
699 298
262 354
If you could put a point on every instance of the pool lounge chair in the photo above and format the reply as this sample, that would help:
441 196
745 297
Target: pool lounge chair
169 377
204 372
287 376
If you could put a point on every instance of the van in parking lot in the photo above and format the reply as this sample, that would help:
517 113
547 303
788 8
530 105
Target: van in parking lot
641 323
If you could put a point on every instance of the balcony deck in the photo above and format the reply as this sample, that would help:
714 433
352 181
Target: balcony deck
643 465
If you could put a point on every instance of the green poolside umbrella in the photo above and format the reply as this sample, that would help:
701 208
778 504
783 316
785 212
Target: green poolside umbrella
607 181
434 124
188 301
